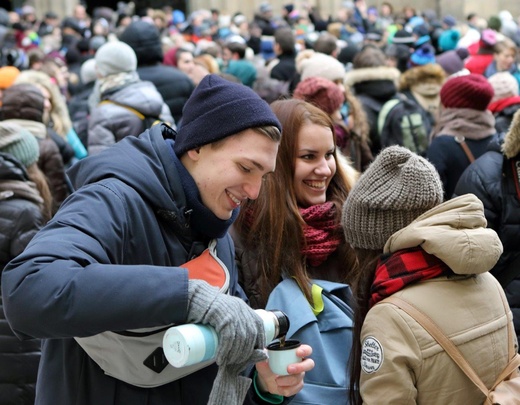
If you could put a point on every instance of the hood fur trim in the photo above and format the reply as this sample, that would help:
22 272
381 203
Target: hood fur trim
419 74
511 146
374 73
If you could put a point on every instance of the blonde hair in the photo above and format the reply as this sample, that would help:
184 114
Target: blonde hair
59 113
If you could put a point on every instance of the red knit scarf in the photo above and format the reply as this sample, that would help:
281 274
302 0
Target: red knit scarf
320 232
404 267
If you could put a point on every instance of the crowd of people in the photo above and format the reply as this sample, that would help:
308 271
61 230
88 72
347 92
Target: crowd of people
376 149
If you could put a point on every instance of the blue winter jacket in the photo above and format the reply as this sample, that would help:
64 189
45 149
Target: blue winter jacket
108 261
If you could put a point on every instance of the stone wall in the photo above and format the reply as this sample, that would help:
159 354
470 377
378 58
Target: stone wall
458 8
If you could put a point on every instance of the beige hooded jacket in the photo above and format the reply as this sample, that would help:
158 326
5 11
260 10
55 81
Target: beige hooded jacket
401 362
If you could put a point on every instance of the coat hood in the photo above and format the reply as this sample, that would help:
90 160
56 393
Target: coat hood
511 146
431 73
144 163
142 96
455 232
356 76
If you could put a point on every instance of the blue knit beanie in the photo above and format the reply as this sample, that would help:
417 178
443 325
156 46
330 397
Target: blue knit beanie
218 108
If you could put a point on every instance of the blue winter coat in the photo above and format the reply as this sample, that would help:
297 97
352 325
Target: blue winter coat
107 261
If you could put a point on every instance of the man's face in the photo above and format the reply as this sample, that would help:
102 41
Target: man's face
233 171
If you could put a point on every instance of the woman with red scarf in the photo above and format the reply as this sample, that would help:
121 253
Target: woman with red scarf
293 228
436 256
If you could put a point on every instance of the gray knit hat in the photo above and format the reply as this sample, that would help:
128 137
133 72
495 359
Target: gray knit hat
115 57
396 188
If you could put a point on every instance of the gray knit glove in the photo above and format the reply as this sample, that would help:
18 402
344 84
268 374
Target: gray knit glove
241 338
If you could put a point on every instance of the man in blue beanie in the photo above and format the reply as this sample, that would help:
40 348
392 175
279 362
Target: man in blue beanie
126 257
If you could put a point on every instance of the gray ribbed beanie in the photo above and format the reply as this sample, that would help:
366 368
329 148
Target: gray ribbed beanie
396 188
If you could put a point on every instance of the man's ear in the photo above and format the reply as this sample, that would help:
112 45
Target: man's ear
194 154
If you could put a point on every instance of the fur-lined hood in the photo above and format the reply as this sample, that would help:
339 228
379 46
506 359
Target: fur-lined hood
373 73
511 146
431 72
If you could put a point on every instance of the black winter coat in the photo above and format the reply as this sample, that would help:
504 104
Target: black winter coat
20 219
449 158
117 246
491 179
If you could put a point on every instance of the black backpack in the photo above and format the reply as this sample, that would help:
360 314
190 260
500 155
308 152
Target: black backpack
402 122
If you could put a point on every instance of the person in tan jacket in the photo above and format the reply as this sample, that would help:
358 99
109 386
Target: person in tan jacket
436 256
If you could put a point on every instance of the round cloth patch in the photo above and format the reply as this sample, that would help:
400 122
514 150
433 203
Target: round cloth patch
371 355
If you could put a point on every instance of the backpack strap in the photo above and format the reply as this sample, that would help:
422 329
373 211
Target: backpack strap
133 110
139 114
431 327
462 142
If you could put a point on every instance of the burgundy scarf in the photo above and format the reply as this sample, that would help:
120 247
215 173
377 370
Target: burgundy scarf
404 267
321 232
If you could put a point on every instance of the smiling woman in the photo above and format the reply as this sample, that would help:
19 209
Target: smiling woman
292 231
293 228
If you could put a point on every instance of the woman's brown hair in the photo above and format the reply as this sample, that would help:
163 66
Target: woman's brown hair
271 225
38 178
362 282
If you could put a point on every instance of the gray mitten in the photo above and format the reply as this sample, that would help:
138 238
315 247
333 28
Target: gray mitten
241 338
240 330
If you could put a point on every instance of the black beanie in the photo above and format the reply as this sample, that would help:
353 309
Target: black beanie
218 108
143 37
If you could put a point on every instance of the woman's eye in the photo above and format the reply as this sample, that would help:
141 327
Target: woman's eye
245 169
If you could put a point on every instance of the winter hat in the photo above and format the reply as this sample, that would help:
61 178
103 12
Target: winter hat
448 40
218 108
145 40
321 92
423 55
19 143
403 37
452 61
24 101
450 21
396 188
310 63
96 42
8 75
488 39
471 91
494 23
87 72
504 85
115 57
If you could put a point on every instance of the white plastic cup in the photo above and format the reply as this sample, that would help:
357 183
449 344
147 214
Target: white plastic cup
281 357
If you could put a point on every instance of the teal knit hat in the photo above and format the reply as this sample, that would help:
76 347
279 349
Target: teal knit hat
19 143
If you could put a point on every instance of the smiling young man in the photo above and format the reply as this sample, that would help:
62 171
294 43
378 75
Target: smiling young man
109 274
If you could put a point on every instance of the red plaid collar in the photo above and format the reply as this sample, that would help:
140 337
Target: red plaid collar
404 267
